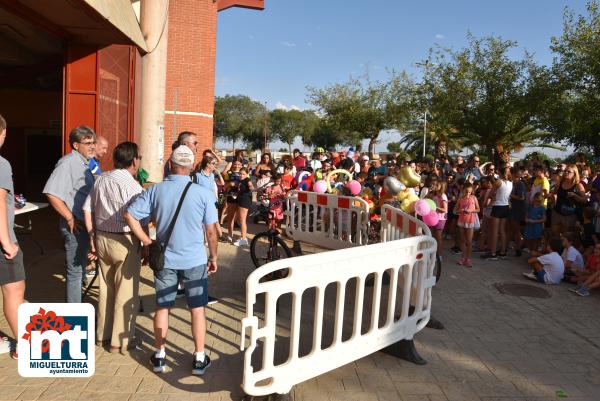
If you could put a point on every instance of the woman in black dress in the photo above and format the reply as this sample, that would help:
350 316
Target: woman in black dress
243 199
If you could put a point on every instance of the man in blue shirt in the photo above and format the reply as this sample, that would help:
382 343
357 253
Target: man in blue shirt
185 255
99 153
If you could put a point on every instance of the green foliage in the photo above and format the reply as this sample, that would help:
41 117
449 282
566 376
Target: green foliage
539 157
572 109
286 125
360 108
479 96
239 118
394 147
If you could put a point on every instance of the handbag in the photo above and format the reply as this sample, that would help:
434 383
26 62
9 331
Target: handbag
156 258
476 223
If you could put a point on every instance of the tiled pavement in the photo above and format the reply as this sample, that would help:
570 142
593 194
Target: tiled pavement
494 346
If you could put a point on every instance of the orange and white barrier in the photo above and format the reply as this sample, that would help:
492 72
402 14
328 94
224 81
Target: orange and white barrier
396 224
327 220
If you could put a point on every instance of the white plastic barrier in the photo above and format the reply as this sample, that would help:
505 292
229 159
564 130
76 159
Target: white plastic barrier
396 224
331 221
409 264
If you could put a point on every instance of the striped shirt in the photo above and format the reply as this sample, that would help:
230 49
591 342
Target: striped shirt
112 194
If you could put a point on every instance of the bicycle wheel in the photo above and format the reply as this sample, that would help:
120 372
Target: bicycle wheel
267 247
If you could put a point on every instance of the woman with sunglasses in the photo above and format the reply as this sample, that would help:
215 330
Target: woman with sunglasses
569 195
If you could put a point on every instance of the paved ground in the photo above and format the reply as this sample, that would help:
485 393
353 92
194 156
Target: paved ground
494 347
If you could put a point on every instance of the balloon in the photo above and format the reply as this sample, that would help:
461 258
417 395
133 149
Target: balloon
367 193
393 186
402 195
354 187
431 203
337 171
320 186
412 198
431 219
408 205
422 207
409 177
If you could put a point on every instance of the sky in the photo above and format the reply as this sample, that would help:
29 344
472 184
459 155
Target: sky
274 54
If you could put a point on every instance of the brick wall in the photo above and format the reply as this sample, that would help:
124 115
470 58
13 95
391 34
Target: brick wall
191 69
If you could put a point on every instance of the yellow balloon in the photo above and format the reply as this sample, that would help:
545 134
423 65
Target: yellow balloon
409 177
337 171
403 195
407 206
412 198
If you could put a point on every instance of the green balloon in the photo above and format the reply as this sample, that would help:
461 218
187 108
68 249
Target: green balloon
431 204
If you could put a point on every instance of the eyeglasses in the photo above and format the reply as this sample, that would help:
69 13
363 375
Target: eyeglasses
569 171
87 143
476 161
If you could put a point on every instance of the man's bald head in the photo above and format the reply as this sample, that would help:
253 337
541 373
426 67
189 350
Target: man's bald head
101 147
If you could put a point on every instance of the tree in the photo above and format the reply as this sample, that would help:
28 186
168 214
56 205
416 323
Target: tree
310 125
360 107
573 108
286 125
238 118
482 97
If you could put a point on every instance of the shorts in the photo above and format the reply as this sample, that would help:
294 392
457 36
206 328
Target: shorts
12 270
195 281
440 225
541 276
500 212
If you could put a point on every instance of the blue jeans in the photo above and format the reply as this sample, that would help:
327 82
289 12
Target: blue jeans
77 246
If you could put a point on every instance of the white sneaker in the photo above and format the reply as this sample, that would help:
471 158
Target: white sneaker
530 276
241 242
4 345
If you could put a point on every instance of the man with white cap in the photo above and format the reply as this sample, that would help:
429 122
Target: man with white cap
185 255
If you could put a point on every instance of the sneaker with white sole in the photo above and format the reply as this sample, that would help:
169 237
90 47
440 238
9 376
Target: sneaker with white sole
198 368
582 292
241 242
159 365
530 276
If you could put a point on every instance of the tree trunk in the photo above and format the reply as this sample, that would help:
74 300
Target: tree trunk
372 143
290 148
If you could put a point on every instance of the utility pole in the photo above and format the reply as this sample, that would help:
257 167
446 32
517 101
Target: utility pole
424 134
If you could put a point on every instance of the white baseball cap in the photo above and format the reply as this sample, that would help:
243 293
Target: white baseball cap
183 156
365 157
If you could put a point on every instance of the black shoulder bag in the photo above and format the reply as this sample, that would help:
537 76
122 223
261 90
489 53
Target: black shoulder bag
157 250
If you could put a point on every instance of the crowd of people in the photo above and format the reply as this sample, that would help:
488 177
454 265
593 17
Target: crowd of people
500 210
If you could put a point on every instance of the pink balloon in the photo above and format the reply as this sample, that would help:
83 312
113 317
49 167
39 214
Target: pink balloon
422 207
354 187
431 219
320 187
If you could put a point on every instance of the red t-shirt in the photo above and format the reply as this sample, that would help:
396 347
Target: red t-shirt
593 263
299 162
286 181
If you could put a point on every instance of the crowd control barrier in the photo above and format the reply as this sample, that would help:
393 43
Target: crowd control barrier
395 224
327 220
365 313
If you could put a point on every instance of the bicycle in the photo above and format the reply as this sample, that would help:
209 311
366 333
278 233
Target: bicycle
268 246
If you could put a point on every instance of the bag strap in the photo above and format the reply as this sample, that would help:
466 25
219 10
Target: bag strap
172 225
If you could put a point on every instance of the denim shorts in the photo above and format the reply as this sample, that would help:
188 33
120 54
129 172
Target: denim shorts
195 281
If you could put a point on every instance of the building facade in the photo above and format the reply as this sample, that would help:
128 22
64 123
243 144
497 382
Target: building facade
71 62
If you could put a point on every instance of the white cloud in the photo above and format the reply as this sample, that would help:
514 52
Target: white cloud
250 37
439 36
288 44
281 106
309 44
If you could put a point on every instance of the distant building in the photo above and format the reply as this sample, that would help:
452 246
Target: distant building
71 62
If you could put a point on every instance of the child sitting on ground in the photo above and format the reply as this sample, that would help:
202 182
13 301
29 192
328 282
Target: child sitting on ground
571 257
592 265
589 279
590 237
548 268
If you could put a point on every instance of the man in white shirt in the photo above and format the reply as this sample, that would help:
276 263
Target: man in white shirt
117 249
548 268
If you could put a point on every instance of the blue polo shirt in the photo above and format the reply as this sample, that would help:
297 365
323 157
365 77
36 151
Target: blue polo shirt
186 246
206 181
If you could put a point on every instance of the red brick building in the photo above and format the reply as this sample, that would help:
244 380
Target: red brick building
71 62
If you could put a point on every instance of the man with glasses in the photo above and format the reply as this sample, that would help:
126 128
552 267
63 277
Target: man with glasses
117 249
473 168
66 189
